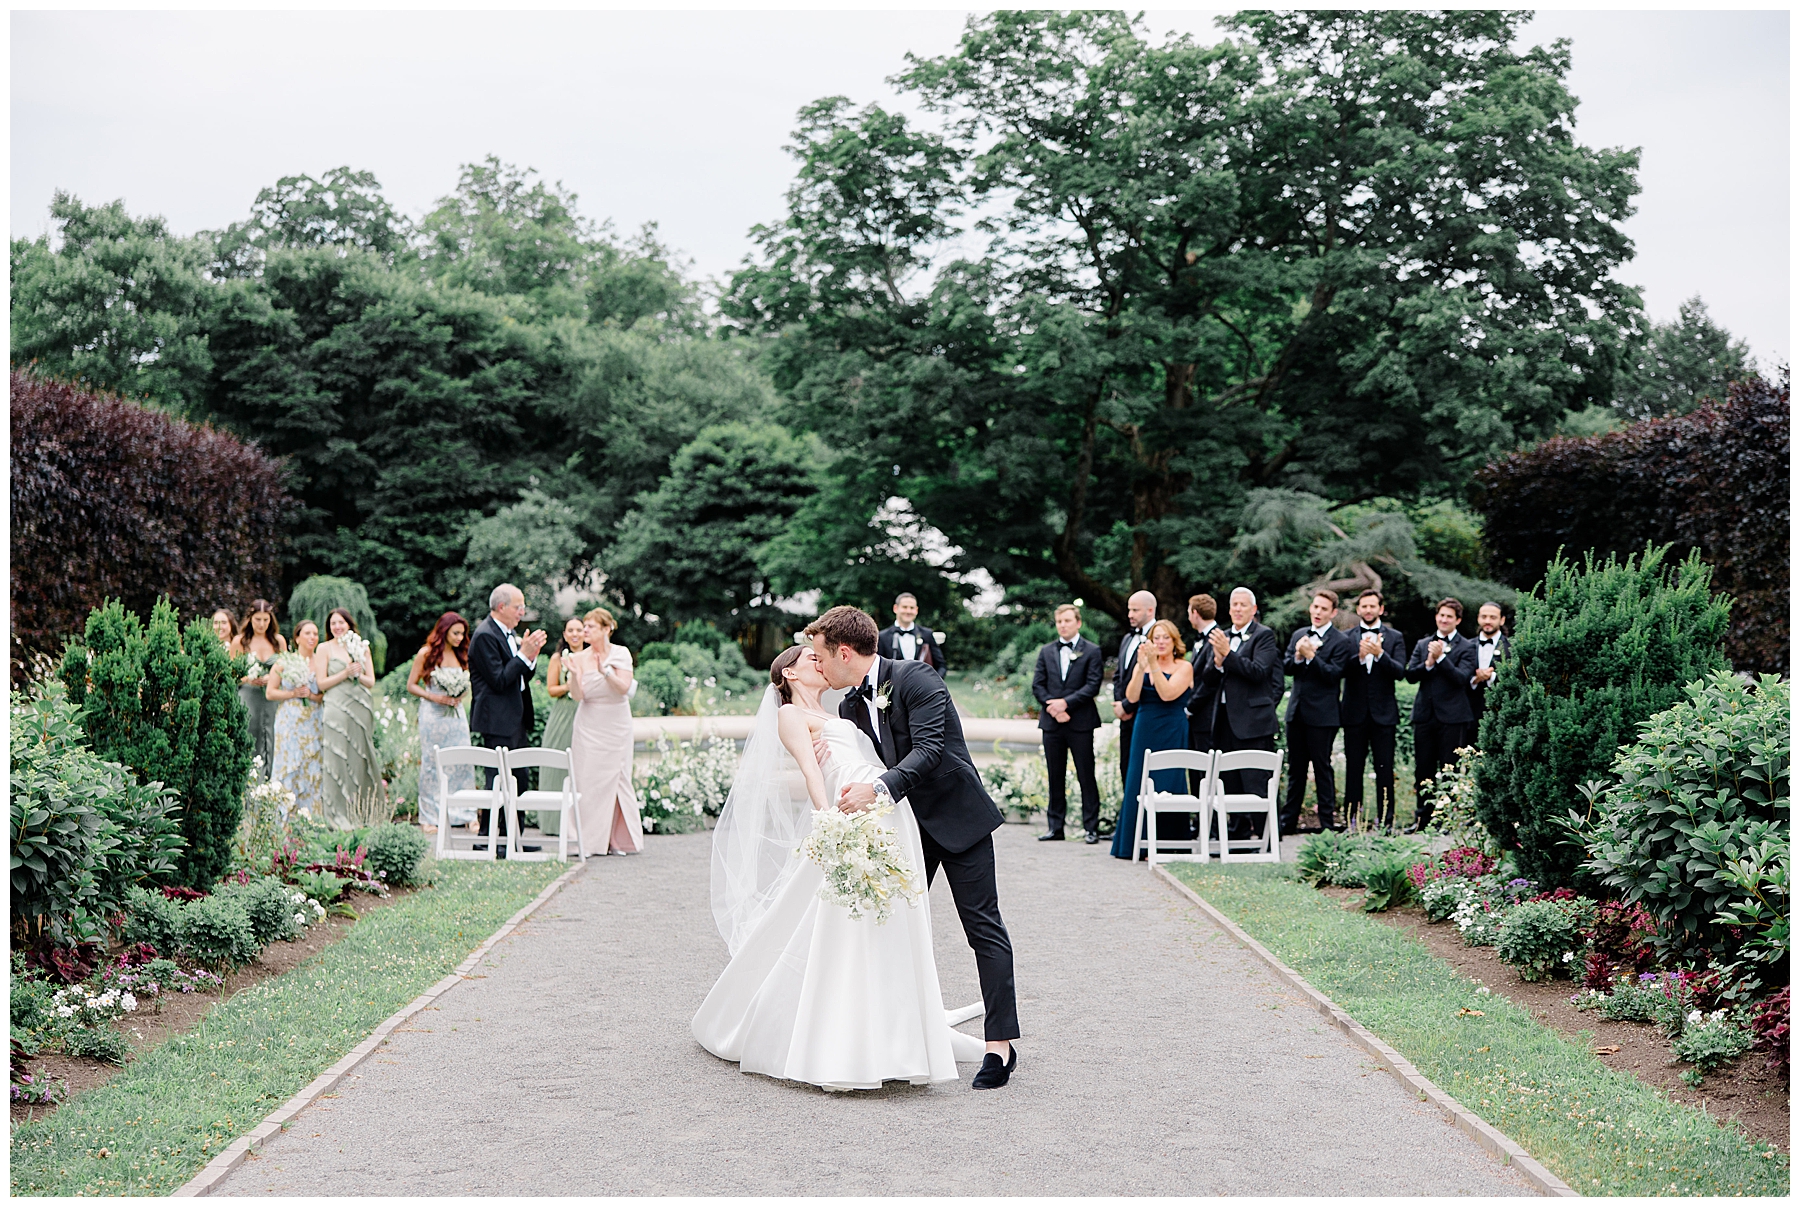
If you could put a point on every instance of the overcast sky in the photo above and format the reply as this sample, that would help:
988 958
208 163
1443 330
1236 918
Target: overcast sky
680 118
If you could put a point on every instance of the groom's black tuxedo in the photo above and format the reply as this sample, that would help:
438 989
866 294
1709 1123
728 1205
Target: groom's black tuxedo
921 743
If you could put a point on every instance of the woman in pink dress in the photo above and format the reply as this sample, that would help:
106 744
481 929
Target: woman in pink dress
600 678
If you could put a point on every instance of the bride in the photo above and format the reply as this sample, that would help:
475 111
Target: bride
810 994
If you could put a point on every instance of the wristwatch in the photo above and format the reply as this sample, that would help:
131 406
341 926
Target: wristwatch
882 796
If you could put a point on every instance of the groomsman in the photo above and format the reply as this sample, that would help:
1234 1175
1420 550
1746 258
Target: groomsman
1244 672
501 665
1370 714
906 640
1316 657
1203 614
1443 665
1066 683
1140 613
1491 648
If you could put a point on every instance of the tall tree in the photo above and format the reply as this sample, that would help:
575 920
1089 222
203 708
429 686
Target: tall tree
1680 364
344 210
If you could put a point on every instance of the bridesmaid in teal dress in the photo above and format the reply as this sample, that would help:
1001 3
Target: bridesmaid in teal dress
347 725
297 764
1160 689
559 727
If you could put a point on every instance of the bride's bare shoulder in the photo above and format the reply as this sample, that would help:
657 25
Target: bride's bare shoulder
793 714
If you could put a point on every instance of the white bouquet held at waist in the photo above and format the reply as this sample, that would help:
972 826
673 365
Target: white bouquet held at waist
864 870
292 668
452 681
355 648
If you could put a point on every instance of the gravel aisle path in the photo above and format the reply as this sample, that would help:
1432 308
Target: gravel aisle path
1158 1058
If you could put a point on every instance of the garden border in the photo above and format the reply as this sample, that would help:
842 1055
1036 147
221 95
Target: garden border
1479 1129
238 1150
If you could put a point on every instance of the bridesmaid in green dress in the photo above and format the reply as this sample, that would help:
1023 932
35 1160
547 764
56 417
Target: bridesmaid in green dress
347 725
559 728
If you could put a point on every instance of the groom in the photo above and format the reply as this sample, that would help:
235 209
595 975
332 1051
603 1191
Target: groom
906 711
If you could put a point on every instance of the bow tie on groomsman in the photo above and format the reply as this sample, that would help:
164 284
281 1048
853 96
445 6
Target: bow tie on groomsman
1370 632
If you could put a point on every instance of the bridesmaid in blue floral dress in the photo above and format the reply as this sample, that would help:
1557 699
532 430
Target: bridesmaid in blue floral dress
1160 690
441 719
297 764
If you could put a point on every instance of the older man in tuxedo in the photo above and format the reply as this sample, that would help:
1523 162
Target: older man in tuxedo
1317 654
501 665
1244 673
1443 665
1065 683
906 640
1140 613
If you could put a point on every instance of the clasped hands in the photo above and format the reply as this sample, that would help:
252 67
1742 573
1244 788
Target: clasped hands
1370 648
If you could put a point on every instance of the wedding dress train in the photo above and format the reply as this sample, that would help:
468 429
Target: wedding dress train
812 995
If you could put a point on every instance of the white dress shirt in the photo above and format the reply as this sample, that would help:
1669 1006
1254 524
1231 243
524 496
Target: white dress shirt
908 643
1368 660
1067 654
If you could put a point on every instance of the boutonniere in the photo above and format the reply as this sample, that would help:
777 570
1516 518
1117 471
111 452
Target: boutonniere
884 695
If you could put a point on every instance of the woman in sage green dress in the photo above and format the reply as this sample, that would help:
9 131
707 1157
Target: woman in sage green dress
559 727
347 728
259 639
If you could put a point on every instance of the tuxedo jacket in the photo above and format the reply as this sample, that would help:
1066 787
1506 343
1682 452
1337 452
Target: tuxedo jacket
1502 648
1204 701
1314 700
1444 689
921 743
1249 682
1125 668
1079 690
501 683
1369 694
887 644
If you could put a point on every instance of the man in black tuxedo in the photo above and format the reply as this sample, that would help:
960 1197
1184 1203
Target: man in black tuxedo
1369 712
1244 673
1140 613
1203 612
1491 648
1316 657
501 665
1443 665
1065 683
906 711
908 641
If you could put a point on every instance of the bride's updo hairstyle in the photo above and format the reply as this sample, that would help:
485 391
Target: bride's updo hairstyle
783 660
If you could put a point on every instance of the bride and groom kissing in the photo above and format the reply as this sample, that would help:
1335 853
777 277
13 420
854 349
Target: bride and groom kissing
812 994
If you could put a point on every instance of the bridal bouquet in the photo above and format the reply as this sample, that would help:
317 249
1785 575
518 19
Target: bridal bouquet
356 649
293 669
452 681
254 669
864 870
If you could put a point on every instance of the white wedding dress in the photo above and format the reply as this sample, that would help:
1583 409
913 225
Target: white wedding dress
812 995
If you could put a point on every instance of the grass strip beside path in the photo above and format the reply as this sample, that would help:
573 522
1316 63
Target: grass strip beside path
1602 1131
174 1108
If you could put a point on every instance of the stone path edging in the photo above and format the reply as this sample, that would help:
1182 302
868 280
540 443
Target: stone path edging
1483 1132
235 1153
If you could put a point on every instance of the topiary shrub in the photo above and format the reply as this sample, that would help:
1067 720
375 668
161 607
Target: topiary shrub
1699 795
1598 650
217 930
396 853
1544 938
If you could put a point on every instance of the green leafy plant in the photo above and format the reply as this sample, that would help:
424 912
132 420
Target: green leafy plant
1711 1042
1544 938
1386 883
396 852
271 908
324 887
101 1043
1695 827
1598 649
217 931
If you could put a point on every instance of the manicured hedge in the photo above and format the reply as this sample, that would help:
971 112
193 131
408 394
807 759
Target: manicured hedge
1714 480
113 500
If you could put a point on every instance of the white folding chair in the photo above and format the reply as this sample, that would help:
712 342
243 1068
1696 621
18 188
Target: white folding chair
1266 849
563 803
492 799
1151 802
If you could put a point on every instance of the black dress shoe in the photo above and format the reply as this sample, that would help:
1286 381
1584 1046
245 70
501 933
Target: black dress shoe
1052 836
993 1074
1091 838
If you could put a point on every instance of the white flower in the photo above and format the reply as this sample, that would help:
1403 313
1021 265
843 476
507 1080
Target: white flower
1567 956
129 1002
1694 1016
299 919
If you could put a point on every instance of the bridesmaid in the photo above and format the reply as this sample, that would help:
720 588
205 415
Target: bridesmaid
347 727
601 749
441 719
259 637
559 727
224 625
1160 688
296 764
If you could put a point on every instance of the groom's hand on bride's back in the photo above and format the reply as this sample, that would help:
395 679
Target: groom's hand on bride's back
855 798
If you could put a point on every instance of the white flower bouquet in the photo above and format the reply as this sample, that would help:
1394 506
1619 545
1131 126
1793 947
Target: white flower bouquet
356 649
450 680
864 870
293 669
254 669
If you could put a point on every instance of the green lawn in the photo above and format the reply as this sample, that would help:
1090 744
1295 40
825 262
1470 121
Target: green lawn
1600 1130
176 1106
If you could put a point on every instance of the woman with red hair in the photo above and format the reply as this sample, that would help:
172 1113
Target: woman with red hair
440 678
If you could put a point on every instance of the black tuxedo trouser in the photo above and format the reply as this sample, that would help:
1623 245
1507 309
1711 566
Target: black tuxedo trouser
972 887
1309 744
1058 746
1435 744
1360 741
521 776
1125 747
1199 739
1234 782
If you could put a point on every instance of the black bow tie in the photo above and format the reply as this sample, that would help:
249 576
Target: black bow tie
1487 641
1371 628
1068 645
863 691
906 631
